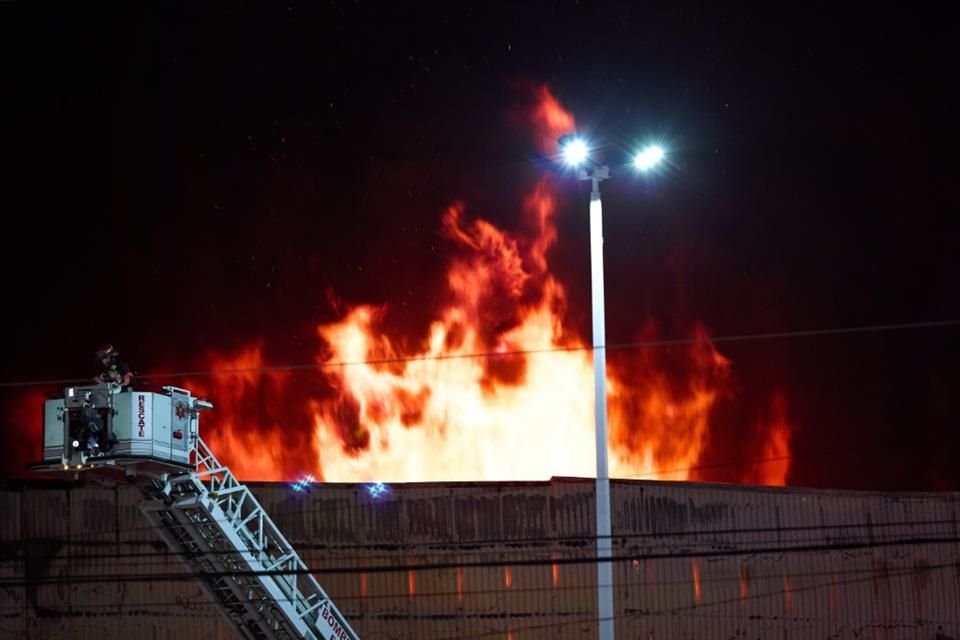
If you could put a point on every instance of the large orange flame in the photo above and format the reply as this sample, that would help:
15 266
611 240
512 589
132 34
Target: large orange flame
659 420
524 408
445 414
251 403
500 388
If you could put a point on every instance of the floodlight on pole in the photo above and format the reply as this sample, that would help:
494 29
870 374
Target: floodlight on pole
648 158
575 151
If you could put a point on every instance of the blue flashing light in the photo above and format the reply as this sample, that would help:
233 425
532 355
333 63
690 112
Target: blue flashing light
378 490
303 484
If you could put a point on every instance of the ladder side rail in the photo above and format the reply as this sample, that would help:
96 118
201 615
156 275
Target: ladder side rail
301 585
302 582
214 559
299 581
178 507
228 569
231 485
240 513
285 567
153 513
268 582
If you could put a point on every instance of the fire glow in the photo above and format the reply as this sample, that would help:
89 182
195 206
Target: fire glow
500 388
523 410
527 414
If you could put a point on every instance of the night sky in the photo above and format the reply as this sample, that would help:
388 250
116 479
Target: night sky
186 180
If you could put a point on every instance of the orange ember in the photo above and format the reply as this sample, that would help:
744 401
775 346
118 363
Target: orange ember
388 408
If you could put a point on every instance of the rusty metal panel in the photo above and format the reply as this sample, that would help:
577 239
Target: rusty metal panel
694 561
424 524
89 539
858 591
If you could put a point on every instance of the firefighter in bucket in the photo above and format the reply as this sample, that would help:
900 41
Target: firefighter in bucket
112 369
89 432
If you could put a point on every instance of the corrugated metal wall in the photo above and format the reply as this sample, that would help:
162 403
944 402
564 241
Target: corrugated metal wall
852 574
695 561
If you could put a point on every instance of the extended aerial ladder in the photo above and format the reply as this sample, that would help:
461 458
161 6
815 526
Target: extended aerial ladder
198 507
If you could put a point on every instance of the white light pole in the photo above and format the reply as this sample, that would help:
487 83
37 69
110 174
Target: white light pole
576 152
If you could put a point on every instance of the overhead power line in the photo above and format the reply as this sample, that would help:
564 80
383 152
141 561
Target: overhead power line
496 546
690 609
485 589
695 608
641 344
441 566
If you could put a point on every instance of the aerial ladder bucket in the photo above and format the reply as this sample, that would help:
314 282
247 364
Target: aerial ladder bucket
211 520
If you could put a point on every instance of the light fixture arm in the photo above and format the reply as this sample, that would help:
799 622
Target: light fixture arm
596 175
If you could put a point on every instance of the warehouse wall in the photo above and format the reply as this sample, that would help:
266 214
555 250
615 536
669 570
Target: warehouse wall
694 561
